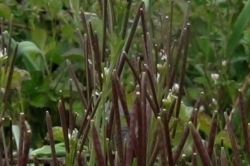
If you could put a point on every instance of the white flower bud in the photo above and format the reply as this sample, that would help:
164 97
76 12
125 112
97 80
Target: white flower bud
3 54
224 63
175 88
202 108
215 76
214 101
106 70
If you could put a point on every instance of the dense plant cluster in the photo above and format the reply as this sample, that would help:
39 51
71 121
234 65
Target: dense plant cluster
113 82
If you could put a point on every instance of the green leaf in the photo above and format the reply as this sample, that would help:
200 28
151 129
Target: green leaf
187 149
201 80
40 3
58 133
77 107
39 100
74 54
68 32
39 37
223 135
55 6
63 85
192 93
246 40
204 45
199 69
45 151
185 112
31 55
5 11
204 122
238 28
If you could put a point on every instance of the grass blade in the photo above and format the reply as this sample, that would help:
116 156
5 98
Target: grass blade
104 30
126 19
238 28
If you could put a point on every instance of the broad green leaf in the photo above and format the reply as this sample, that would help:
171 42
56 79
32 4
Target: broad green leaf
223 135
5 11
40 3
184 115
68 32
37 91
74 54
39 37
185 112
45 151
246 40
201 80
53 51
31 55
77 107
199 69
187 149
205 46
238 28
58 133
192 93
204 122
39 100
53 97
63 84
55 6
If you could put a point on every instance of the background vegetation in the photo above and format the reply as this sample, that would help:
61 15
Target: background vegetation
112 82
